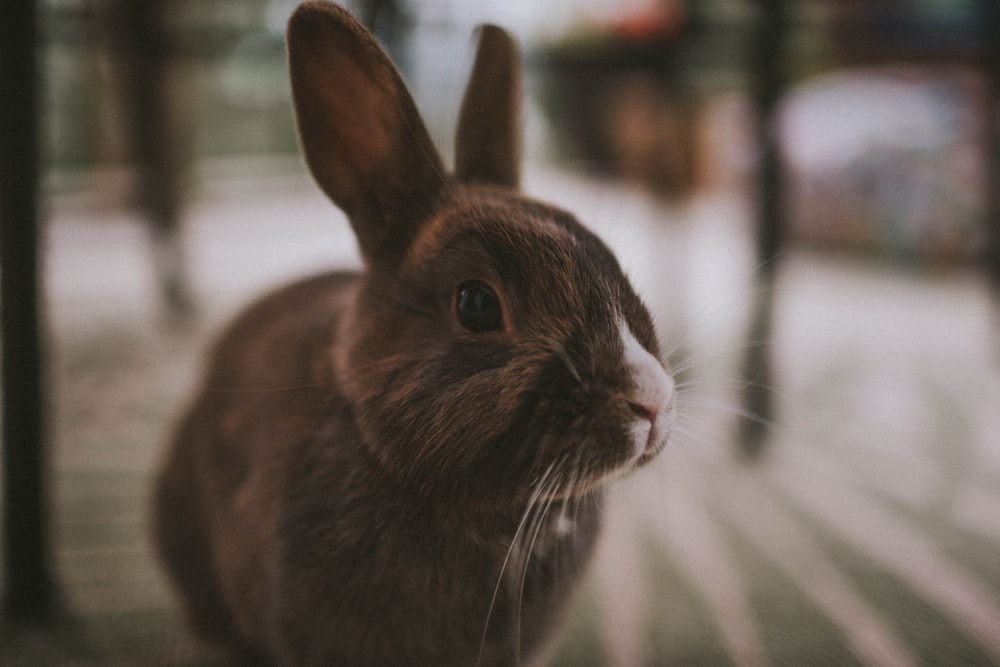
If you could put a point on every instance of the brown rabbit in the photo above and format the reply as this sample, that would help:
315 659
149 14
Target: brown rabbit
403 466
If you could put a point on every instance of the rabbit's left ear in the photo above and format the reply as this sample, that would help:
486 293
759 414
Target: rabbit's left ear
488 142
363 139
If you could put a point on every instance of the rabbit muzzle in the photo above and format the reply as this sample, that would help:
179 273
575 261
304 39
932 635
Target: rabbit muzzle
653 399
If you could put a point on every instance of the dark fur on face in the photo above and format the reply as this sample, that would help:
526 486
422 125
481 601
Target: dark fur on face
506 404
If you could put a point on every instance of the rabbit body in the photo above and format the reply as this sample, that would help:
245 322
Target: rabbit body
290 540
403 466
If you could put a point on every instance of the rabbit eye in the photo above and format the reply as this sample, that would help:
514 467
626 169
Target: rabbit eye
478 307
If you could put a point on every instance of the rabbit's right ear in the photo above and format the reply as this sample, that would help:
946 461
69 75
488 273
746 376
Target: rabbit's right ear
362 136
488 141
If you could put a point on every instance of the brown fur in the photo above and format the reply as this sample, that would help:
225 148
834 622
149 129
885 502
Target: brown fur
361 481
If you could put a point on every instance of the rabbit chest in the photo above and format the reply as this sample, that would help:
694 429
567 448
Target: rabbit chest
378 576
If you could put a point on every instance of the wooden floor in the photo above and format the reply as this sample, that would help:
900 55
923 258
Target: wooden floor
868 535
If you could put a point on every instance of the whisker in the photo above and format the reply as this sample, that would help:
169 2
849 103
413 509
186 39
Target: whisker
714 408
539 489
570 366
697 357
265 390
538 523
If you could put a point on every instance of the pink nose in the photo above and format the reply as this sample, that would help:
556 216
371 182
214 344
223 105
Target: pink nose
643 411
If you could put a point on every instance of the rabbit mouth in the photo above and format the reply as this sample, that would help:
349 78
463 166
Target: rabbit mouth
576 480
652 435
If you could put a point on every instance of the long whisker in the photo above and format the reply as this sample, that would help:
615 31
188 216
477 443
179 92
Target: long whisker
265 389
538 522
538 491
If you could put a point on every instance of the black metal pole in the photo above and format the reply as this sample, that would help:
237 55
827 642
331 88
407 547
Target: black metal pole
28 584
768 83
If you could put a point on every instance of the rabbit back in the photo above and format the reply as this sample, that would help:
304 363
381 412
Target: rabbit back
265 389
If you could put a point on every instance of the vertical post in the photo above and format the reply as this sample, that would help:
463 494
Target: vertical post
990 22
768 83
28 585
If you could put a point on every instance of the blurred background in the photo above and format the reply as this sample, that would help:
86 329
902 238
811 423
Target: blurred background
804 192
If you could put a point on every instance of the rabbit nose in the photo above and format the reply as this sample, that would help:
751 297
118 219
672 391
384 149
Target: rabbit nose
653 405
643 411
654 394
653 388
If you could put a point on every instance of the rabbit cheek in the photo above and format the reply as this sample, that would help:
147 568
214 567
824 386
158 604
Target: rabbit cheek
461 440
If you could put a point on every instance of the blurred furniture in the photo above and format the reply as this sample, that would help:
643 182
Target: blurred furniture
619 101
143 52
864 33
141 92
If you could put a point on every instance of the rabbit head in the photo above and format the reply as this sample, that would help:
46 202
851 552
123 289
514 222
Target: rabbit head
494 344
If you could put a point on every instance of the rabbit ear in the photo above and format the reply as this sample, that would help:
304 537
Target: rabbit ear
360 130
488 144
